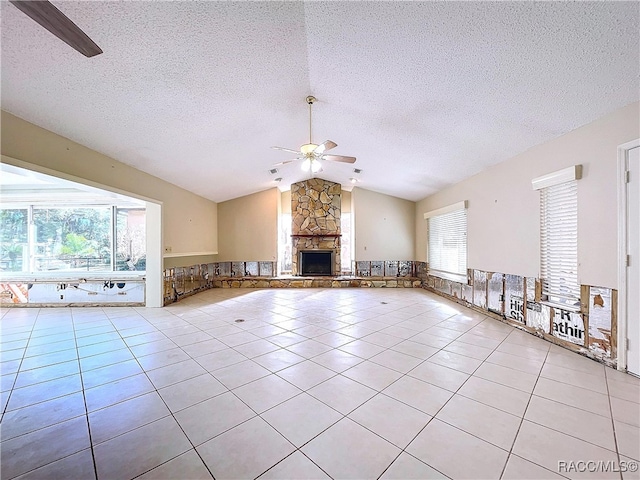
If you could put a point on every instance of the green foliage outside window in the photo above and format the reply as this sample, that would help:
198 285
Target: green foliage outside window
72 238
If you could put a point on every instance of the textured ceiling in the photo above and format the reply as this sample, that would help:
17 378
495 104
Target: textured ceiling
424 94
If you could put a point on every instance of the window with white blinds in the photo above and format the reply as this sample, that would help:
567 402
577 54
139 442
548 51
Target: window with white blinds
447 244
559 244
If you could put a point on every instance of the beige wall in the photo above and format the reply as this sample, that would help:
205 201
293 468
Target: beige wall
503 213
189 221
345 202
285 202
248 227
384 226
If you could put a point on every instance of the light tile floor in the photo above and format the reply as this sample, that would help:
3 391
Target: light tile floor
353 383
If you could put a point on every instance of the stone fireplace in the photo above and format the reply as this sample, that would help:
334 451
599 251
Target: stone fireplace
315 224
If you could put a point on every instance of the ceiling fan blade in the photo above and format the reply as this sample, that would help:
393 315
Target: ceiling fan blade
284 163
297 152
328 145
48 16
323 147
339 158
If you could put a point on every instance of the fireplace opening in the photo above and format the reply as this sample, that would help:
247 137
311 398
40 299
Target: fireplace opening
316 262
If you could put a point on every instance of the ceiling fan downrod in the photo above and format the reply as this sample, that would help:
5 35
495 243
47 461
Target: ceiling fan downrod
312 153
310 99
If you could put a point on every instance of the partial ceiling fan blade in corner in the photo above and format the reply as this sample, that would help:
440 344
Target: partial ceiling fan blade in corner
297 152
48 16
339 158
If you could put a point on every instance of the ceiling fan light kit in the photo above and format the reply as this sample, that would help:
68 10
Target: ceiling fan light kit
311 153
311 164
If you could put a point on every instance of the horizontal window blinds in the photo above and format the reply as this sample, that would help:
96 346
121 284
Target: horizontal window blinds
448 242
559 243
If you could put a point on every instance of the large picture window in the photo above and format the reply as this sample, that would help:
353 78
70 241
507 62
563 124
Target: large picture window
87 238
71 239
447 242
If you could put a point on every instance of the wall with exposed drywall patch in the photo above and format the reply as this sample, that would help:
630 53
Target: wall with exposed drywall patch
590 329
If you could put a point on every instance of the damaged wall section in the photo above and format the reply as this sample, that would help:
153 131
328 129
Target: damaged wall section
73 292
517 300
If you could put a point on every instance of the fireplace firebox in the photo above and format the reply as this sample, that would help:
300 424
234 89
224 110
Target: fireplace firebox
316 262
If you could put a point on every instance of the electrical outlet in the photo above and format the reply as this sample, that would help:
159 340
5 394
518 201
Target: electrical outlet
168 249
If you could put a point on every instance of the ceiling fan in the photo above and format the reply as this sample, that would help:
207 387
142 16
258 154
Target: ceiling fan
312 153
48 16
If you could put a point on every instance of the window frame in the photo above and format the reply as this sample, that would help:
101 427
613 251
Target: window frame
32 242
558 184
458 276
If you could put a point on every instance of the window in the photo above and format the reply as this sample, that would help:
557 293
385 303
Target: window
76 238
284 244
447 244
52 226
87 238
14 246
131 235
559 237
345 242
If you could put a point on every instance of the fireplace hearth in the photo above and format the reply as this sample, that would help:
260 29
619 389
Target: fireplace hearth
316 262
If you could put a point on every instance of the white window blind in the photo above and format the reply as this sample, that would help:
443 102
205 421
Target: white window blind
559 243
447 235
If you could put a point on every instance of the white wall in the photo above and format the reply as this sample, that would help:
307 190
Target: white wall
248 227
189 221
384 226
503 213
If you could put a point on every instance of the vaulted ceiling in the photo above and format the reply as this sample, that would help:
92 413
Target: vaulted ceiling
424 94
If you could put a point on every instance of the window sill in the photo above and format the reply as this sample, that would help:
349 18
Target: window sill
72 277
455 277
561 306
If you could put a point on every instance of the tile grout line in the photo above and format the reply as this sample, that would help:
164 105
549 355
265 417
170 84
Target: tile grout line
171 414
613 424
248 406
515 438
435 415
56 423
84 399
378 392
18 371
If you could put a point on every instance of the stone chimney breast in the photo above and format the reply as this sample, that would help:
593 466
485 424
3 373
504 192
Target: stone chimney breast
315 221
